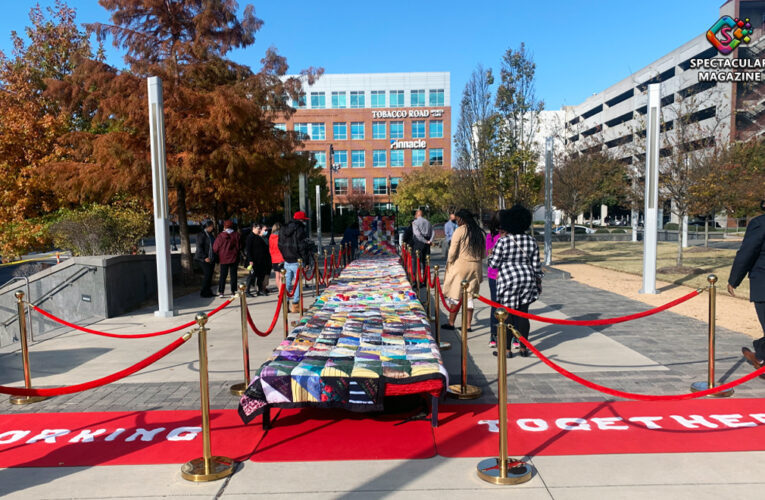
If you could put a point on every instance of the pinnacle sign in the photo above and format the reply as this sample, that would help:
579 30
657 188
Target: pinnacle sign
419 144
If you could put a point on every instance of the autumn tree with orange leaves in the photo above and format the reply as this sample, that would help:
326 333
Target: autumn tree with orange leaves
224 155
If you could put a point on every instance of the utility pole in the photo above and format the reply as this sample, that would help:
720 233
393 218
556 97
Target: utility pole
651 217
332 168
548 199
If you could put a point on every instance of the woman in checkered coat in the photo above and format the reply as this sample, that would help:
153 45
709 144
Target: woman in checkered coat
516 256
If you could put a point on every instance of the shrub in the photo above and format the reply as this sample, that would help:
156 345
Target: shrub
671 226
601 231
101 229
618 231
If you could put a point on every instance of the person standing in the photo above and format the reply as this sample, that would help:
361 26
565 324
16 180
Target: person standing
422 235
294 245
206 257
464 262
449 228
258 260
494 234
277 261
750 259
227 246
519 278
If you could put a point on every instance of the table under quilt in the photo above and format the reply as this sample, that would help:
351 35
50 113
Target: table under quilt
366 336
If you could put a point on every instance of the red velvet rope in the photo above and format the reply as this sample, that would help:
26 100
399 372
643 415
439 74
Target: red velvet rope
125 336
440 293
323 278
595 322
430 278
59 391
640 397
310 278
273 321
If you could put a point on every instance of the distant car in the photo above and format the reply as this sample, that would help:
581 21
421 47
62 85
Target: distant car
577 230
700 222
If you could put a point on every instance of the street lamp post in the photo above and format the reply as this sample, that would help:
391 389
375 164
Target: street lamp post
332 168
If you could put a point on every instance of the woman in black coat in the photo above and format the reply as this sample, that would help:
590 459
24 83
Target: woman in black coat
258 260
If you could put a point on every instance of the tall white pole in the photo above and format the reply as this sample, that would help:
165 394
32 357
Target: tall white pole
318 218
159 191
548 199
651 220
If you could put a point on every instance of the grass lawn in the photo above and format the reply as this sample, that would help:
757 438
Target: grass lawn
626 256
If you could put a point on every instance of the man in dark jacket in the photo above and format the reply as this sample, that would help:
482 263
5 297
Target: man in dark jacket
226 247
206 257
294 244
258 259
750 259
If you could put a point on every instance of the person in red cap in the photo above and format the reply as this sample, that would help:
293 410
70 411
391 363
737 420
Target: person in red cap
227 246
294 244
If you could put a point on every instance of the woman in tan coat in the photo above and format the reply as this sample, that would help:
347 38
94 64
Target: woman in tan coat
464 262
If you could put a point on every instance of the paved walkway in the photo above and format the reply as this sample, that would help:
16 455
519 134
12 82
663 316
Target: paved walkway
661 354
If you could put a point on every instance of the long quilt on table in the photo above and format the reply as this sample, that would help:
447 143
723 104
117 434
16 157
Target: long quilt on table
365 331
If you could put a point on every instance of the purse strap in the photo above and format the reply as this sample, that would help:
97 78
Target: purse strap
512 238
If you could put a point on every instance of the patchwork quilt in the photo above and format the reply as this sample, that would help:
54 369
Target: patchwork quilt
365 331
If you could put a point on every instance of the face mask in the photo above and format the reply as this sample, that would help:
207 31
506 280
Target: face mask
762 205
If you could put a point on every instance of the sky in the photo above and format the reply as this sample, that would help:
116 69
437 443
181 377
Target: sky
580 47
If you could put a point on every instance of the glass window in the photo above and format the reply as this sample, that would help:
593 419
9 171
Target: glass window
436 129
318 100
357 98
280 126
339 131
436 97
378 130
394 184
341 186
318 132
300 101
338 100
436 157
379 158
417 98
357 130
380 185
359 185
378 98
397 158
320 157
396 130
418 129
418 157
302 130
341 158
358 159
396 98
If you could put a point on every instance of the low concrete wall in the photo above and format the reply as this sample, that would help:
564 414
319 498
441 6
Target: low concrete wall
660 235
82 290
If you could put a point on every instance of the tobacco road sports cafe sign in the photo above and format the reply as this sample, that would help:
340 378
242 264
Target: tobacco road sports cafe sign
409 113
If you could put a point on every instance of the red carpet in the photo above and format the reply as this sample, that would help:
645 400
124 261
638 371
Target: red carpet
120 438
315 435
601 428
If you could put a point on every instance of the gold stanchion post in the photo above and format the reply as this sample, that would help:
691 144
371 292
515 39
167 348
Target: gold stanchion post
285 305
444 346
238 389
503 470
300 285
464 390
23 400
329 269
700 386
208 467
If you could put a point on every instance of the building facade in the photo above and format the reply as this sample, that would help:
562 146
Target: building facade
373 128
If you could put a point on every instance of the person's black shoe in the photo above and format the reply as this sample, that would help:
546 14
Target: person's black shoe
525 352
509 354
447 326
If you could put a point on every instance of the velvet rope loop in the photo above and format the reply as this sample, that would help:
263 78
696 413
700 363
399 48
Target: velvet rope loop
310 278
595 322
270 329
630 395
59 391
120 335
440 293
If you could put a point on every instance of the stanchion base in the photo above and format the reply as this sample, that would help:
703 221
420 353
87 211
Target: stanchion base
445 346
703 386
25 400
517 472
194 470
470 392
238 389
